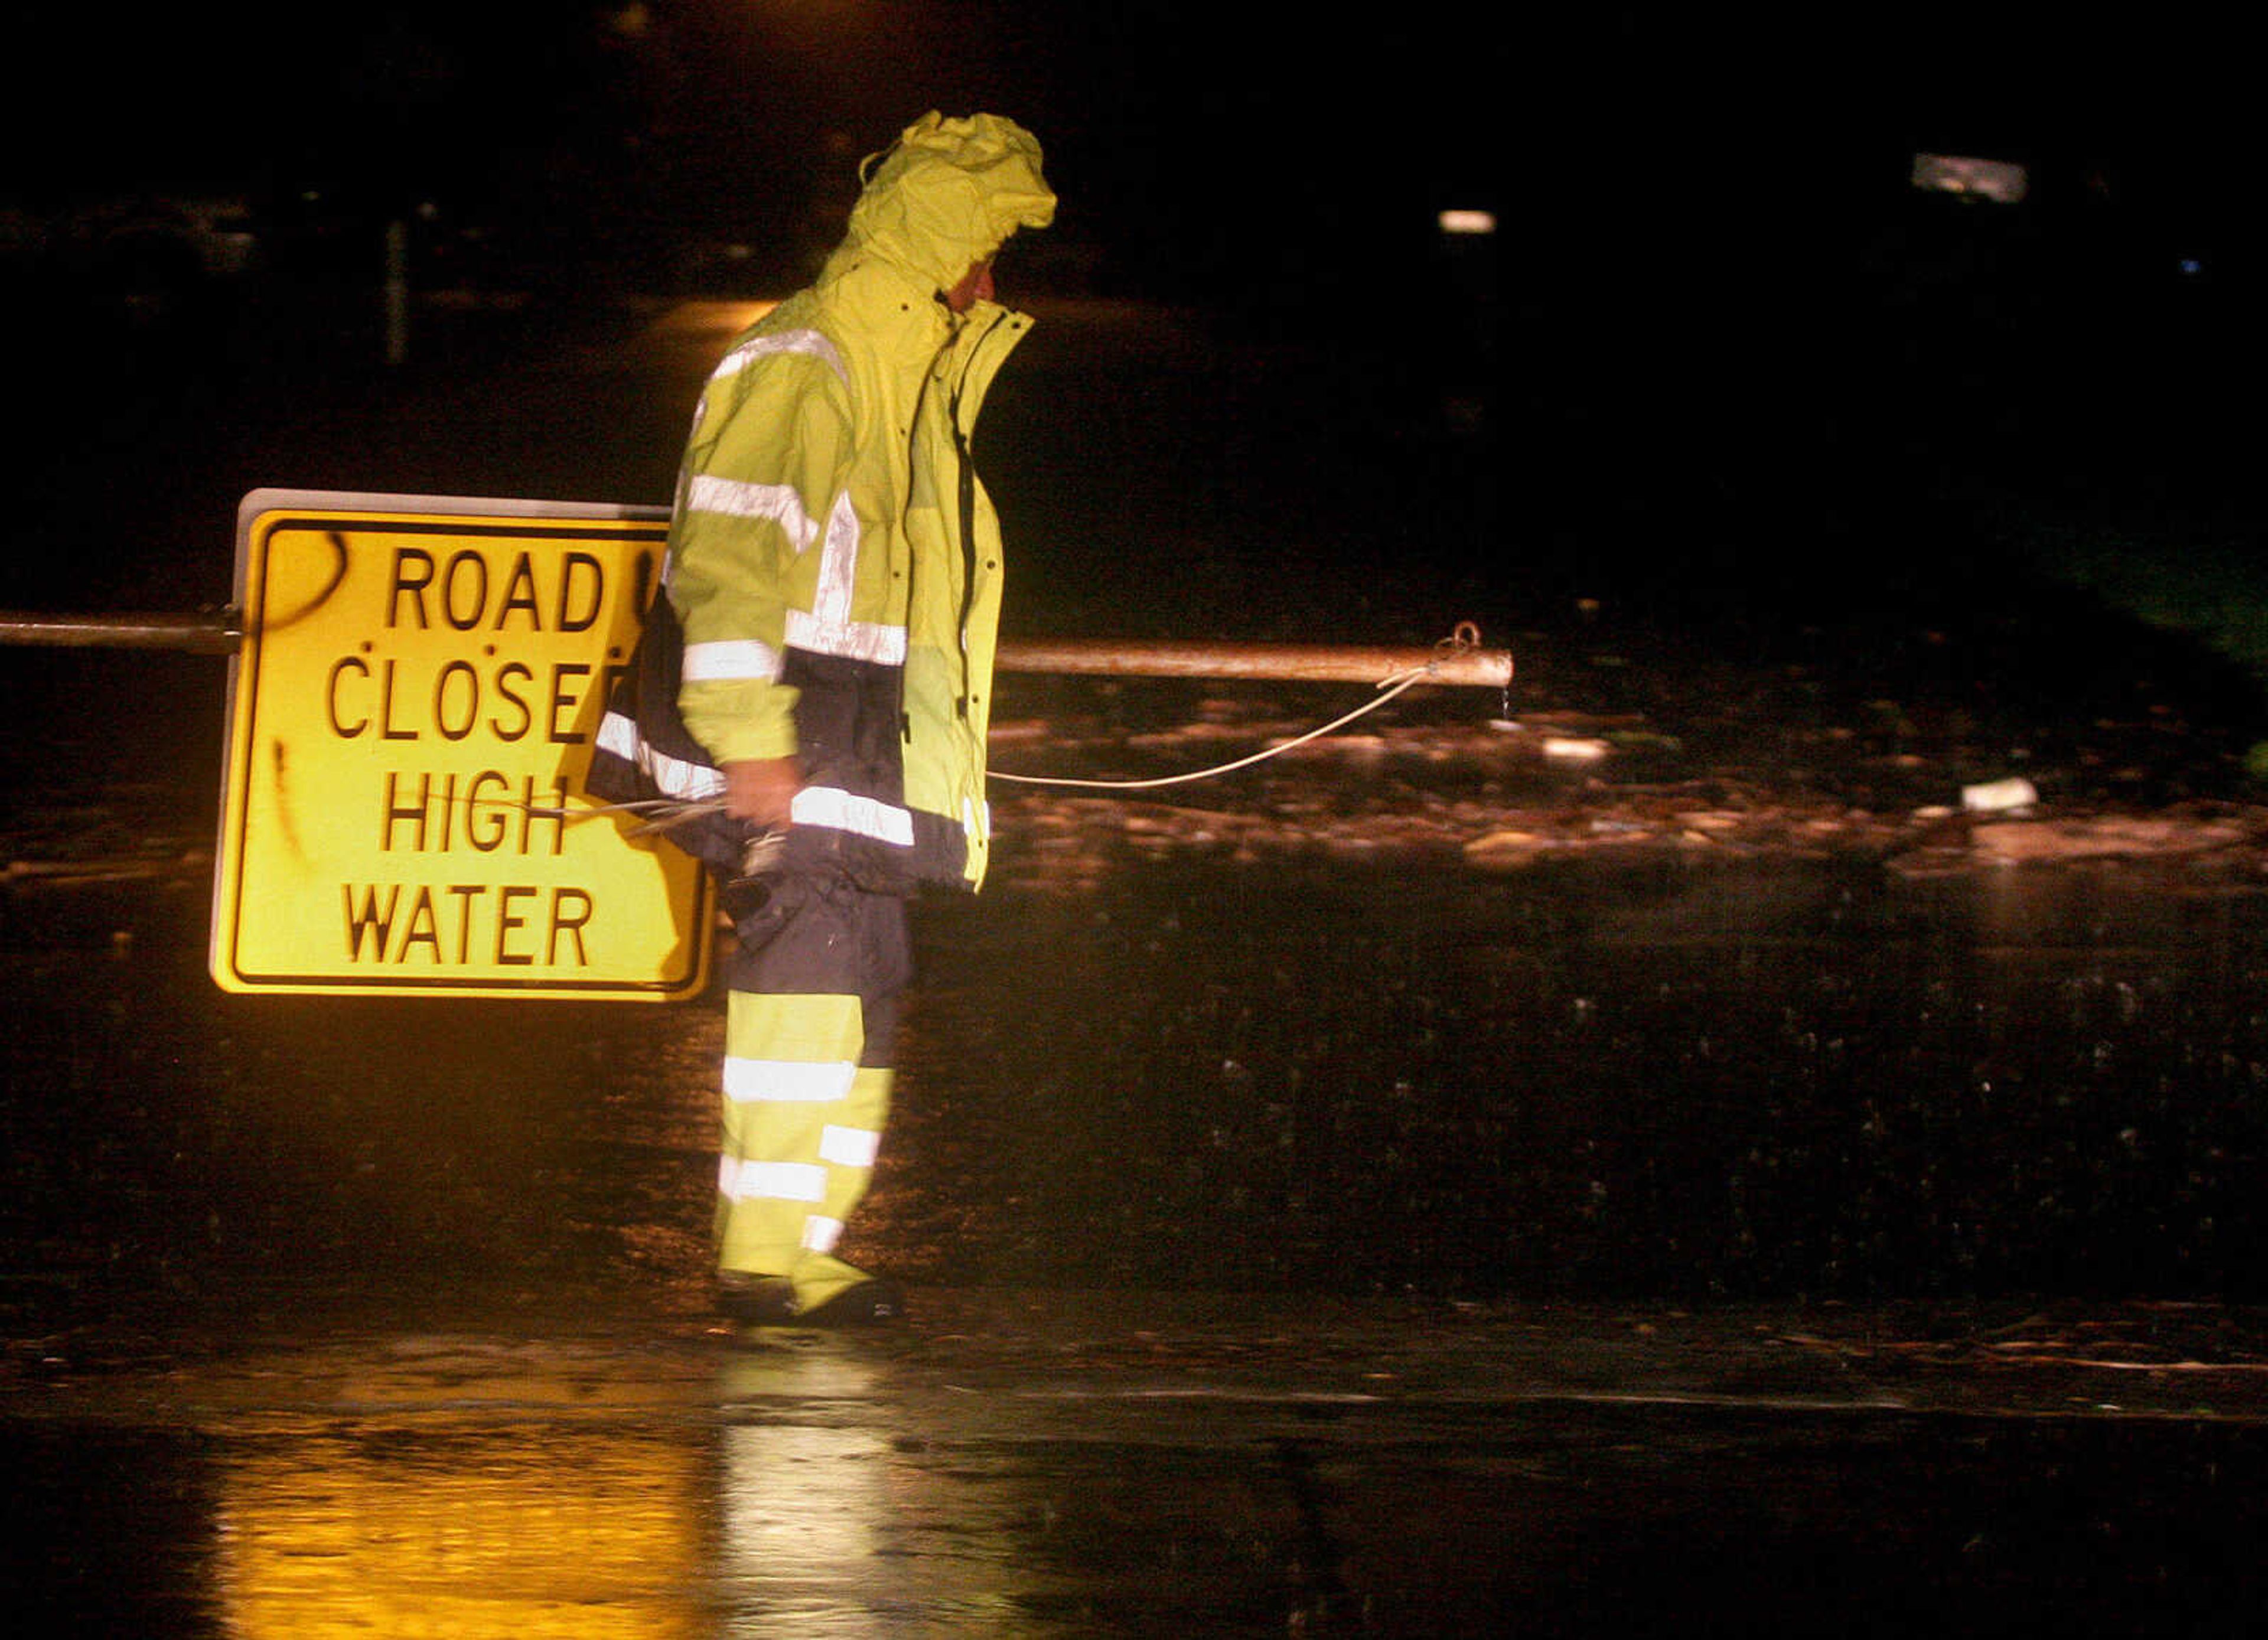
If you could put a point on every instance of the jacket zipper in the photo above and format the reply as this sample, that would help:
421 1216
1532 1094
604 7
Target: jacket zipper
967 499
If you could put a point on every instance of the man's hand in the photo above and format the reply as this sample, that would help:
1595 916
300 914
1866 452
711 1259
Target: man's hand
759 789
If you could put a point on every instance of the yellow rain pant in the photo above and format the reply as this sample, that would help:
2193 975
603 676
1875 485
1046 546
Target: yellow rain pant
803 1118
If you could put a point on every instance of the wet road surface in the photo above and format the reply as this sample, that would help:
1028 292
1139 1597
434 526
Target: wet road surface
1561 1256
1431 1187
1050 1465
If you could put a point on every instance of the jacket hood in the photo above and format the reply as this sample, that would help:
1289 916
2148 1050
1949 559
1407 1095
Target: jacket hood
945 196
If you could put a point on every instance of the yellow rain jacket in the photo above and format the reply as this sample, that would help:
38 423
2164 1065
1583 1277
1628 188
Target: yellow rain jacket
834 563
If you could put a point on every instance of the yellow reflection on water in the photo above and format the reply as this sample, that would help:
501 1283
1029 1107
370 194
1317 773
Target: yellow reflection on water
535 1532
453 1488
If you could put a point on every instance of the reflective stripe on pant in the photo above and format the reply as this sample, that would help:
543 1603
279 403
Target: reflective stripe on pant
804 1107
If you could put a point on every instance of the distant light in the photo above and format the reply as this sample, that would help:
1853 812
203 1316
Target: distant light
2002 182
711 321
1468 222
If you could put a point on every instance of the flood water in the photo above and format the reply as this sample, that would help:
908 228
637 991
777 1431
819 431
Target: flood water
1374 1248
1791 1080
1172 1071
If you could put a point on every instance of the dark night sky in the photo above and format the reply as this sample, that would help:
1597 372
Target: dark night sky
1189 141
1120 79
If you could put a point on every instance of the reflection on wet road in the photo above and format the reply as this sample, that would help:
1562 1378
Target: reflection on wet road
1128 1466
1298 1248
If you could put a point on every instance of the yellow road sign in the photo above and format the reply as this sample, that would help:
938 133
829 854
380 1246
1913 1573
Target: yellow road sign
410 720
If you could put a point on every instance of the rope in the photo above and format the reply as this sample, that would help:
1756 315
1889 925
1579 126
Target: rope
661 813
1466 637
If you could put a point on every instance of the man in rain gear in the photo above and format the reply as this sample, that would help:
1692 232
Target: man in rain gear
834 571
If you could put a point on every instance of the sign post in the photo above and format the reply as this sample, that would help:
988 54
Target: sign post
410 717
